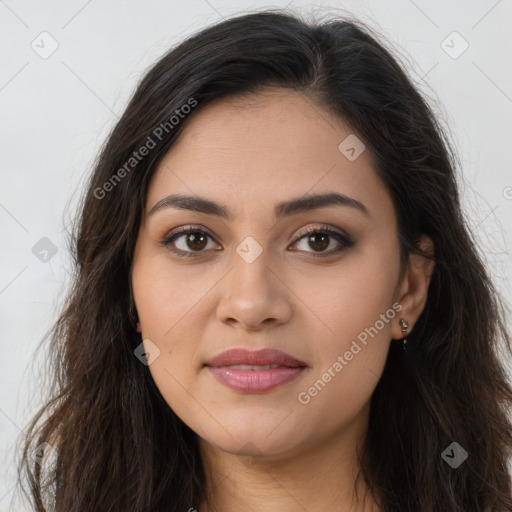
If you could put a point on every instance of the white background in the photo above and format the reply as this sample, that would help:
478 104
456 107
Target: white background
55 113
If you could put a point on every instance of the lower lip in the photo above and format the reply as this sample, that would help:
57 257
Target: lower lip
255 381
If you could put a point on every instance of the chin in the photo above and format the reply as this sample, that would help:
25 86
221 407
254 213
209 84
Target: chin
254 441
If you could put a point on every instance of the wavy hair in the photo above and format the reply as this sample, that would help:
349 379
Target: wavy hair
118 445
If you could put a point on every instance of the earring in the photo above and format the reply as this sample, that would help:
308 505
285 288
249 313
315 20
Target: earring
138 329
404 325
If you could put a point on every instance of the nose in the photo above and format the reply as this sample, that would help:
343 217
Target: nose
253 296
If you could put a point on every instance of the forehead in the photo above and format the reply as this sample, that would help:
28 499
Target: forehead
255 150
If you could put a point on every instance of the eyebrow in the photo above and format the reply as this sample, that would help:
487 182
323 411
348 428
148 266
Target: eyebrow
283 209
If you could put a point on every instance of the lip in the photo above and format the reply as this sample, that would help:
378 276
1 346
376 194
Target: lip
255 381
264 356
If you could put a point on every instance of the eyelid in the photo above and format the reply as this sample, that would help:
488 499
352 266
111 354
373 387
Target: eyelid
323 227
187 228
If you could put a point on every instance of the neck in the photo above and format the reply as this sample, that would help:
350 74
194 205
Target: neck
320 476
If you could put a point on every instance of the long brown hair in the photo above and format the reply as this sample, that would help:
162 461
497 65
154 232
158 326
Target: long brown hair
118 446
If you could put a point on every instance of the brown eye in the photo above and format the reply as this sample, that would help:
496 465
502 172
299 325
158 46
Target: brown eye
195 240
187 241
319 239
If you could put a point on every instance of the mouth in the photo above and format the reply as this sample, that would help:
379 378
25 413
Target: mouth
255 371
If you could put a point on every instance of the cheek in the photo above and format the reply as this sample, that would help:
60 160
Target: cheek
349 299
168 302
356 308
167 295
350 361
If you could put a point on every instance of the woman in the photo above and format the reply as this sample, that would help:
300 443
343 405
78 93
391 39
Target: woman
278 304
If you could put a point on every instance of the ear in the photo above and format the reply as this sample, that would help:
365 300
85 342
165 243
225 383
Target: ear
413 288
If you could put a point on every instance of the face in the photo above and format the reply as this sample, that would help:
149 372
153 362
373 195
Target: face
257 278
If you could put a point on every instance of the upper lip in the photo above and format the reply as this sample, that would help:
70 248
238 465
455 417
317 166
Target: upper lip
264 356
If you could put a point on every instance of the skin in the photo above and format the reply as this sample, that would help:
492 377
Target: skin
269 451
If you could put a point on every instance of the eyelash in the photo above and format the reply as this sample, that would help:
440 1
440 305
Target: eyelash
343 239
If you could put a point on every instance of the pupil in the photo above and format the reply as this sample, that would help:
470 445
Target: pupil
323 245
194 238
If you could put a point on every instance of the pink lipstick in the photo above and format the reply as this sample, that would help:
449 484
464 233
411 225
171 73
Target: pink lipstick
255 371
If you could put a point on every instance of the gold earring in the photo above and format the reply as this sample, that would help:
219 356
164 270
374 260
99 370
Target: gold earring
404 325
